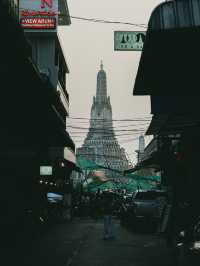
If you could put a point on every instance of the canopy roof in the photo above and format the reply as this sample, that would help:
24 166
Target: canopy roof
130 186
149 178
171 51
86 164
130 182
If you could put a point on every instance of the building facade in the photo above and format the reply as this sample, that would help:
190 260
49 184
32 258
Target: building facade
34 106
172 85
101 145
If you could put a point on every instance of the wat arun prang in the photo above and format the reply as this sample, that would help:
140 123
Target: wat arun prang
101 146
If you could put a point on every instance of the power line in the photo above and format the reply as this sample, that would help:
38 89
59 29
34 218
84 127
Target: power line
116 122
107 127
126 140
114 128
109 131
119 138
99 136
121 141
109 21
104 155
111 136
110 120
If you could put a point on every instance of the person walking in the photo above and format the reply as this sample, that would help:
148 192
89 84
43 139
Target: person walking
107 211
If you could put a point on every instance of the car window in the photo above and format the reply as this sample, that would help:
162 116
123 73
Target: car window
149 195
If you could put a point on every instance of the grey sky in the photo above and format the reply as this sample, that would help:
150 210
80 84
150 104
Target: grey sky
86 44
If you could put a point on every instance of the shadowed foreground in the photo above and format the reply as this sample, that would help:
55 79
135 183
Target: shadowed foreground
81 243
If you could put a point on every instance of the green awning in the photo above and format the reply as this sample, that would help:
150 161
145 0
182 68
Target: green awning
89 165
131 186
147 178
86 164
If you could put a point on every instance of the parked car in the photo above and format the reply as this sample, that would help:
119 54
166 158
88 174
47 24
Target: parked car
146 208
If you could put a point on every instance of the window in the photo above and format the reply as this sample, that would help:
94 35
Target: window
149 195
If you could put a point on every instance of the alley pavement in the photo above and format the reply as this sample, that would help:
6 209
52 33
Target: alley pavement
127 249
81 243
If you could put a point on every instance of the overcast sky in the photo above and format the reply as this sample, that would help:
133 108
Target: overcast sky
86 44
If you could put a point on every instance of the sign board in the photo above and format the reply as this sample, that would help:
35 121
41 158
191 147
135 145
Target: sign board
39 14
129 40
38 23
46 170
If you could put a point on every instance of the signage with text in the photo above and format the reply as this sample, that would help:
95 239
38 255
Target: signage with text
46 170
129 40
38 23
39 14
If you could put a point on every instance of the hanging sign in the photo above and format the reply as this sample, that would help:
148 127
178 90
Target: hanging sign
129 40
38 23
39 14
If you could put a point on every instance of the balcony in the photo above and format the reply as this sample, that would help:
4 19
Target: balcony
61 75
150 149
64 97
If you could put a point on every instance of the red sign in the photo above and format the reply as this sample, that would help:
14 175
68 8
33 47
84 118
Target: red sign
27 13
48 3
38 23
39 14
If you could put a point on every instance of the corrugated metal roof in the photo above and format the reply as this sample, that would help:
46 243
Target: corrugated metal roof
175 14
171 51
174 124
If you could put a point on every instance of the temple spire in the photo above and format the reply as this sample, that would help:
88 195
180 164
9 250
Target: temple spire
101 93
101 66
101 136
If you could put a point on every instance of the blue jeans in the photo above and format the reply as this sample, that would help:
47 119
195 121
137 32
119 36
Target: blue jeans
108 227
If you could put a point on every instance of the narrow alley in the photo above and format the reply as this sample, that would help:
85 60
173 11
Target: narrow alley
81 243
100 133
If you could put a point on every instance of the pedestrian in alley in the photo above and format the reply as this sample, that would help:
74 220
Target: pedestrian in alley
107 200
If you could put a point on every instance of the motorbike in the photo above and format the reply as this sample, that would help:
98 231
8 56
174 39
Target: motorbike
183 235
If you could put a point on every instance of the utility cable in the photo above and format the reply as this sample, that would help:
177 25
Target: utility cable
108 131
111 136
144 26
110 120
106 127
116 123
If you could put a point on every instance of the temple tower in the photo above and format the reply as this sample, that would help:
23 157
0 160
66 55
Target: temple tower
101 145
